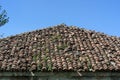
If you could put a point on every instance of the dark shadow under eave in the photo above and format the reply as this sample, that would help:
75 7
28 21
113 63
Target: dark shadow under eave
98 75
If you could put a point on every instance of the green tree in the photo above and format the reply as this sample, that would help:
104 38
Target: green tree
3 17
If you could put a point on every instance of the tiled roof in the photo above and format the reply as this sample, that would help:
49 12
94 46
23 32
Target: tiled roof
60 48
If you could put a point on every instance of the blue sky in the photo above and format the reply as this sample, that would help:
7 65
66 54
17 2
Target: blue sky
29 15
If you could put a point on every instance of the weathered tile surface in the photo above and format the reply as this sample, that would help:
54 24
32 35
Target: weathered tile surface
59 48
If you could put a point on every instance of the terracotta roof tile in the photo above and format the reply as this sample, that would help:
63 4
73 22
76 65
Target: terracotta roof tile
60 48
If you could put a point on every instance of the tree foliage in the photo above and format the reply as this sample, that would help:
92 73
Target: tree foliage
3 17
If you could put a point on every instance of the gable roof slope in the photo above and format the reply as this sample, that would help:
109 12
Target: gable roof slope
60 48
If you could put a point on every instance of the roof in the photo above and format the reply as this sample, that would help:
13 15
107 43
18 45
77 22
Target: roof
60 48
